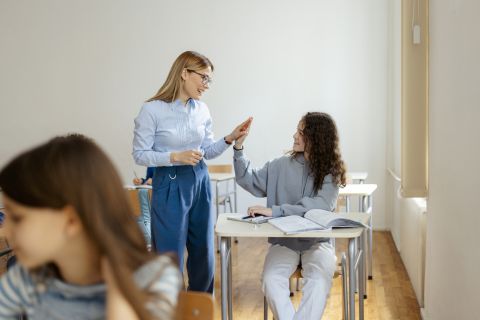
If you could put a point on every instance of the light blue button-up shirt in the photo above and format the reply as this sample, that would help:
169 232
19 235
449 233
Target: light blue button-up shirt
162 128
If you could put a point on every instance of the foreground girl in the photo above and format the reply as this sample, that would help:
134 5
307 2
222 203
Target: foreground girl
80 253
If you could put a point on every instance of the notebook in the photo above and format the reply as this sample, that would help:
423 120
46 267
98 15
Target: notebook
315 220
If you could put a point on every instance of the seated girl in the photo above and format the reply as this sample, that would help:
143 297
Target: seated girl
80 253
307 178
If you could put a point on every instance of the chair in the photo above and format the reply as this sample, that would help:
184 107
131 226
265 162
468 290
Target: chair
139 210
297 274
194 306
135 201
222 199
133 197
352 178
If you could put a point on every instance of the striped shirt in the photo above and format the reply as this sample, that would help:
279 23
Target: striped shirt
162 128
41 298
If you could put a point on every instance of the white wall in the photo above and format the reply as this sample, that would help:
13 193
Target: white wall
453 256
86 66
393 132
405 217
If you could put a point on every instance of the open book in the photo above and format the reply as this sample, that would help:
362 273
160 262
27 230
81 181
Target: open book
315 220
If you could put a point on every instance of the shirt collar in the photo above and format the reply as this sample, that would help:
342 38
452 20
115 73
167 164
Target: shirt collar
190 103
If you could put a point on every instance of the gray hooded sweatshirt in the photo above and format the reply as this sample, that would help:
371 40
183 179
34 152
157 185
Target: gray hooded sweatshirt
288 185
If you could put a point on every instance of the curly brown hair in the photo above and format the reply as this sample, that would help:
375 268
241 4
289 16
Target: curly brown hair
322 146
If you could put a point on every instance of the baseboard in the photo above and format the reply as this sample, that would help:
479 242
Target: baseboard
381 229
423 314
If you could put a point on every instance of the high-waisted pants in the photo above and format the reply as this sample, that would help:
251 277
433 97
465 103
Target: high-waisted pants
181 217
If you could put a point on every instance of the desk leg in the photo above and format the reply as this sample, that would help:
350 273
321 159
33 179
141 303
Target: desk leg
364 244
235 200
224 261
351 278
344 287
370 239
217 207
364 249
360 181
362 293
235 195
230 285
347 204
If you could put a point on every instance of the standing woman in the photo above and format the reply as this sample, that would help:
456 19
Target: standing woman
173 132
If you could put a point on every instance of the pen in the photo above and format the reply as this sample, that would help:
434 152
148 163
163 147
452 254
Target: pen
135 174
246 217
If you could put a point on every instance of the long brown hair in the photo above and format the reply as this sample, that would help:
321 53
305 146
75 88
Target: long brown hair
322 145
190 60
73 170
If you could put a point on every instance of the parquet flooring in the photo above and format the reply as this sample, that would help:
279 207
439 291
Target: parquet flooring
390 294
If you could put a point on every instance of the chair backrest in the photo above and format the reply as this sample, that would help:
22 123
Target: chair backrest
133 196
220 168
194 306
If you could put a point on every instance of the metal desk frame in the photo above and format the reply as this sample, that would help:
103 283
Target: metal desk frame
227 229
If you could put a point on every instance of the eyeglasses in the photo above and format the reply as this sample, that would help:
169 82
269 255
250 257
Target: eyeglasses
205 78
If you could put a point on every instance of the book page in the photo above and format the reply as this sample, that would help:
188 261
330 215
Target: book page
295 224
332 219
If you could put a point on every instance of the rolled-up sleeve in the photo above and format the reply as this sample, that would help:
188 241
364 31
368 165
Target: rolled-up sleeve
211 148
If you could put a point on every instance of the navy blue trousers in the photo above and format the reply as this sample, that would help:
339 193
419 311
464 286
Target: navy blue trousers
181 217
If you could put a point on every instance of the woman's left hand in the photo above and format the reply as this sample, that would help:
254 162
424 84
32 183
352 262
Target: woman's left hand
259 210
240 130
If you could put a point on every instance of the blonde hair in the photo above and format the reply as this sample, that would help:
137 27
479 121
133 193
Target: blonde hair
189 60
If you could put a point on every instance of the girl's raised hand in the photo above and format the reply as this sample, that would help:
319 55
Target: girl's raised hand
240 133
240 130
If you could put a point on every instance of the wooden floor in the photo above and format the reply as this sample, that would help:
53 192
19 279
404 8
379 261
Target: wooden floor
390 294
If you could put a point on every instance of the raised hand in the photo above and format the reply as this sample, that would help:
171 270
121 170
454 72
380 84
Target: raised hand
239 134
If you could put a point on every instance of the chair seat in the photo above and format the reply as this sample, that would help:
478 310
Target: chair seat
195 305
